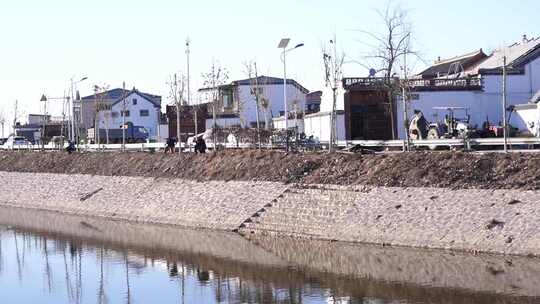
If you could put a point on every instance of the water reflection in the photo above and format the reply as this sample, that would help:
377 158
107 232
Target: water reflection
67 259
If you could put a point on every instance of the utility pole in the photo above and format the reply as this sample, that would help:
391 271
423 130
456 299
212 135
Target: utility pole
404 95
124 116
505 127
2 122
177 103
71 125
195 110
43 120
285 109
15 116
257 92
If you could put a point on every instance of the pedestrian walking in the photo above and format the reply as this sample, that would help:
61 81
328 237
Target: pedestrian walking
171 142
200 145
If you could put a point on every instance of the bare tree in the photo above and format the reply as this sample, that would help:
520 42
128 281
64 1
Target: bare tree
333 73
213 80
101 106
388 48
177 87
2 121
256 90
298 108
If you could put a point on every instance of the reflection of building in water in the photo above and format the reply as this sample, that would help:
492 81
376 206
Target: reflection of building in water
259 273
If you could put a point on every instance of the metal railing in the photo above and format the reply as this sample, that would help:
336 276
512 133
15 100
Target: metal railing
441 84
467 143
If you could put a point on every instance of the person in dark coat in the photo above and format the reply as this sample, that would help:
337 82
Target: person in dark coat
200 145
71 147
171 142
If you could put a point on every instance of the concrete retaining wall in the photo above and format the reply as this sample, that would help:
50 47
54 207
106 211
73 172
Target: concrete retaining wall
212 205
501 221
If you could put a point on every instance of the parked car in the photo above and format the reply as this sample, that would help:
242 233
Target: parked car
16 142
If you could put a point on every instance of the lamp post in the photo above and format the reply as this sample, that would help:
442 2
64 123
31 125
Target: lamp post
72 109
505 127
124 116
188 51
44 99
283 45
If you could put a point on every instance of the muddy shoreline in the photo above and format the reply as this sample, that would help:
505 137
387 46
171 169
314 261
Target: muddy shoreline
453 170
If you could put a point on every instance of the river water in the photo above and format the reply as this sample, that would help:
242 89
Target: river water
53 258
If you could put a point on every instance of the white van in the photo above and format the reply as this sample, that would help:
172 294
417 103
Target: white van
16 142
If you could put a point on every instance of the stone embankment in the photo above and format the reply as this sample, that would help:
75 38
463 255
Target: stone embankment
497 221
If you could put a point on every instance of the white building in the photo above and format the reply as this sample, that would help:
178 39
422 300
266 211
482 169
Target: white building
474 81
140 110
237 107
318 125
529 113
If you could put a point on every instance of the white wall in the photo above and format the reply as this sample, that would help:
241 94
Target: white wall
279 123
150 122
318 126
222 122
328 97
163 133
274 93
530 119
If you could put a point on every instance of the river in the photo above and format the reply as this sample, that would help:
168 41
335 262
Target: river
56 258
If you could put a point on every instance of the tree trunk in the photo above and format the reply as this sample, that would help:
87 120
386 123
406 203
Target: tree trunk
178 130
392 114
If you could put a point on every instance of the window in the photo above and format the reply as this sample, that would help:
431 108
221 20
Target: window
114 114
144 113
257 91
134 101
126 113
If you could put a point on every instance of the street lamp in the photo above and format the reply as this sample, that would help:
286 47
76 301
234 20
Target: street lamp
72 108
44 99
283 45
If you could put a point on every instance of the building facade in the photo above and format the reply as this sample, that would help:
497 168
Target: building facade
237 102
105 110
135 108
475 81
187 121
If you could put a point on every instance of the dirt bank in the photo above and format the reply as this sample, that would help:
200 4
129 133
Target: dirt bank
443 170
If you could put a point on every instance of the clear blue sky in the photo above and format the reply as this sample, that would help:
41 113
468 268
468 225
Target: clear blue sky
45 43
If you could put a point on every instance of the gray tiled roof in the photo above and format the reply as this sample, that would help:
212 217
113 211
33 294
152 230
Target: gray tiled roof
116 94
514 54
443 67
266 80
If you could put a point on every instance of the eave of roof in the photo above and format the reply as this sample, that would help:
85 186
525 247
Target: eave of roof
443 66
116 93
134 91
264 80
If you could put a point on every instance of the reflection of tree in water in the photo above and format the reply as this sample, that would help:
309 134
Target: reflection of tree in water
228 280
47 265
1 254
102 297
128 287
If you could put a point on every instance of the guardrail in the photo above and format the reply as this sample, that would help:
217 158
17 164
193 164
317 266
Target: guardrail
468 143
452 142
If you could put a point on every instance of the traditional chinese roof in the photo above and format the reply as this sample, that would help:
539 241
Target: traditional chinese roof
453 65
